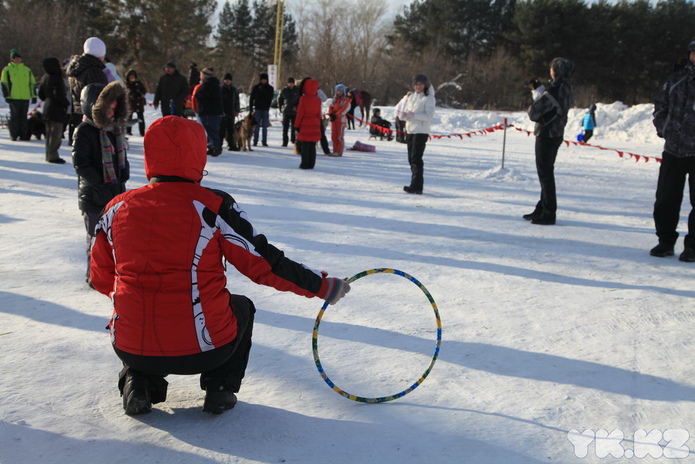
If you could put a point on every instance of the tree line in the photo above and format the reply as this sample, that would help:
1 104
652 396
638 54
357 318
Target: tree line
479 53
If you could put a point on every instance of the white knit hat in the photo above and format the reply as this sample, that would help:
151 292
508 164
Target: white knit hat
95 47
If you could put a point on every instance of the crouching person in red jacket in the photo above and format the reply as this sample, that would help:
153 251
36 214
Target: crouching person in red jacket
158 254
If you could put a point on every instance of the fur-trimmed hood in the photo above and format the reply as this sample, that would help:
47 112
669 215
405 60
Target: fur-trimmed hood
97 98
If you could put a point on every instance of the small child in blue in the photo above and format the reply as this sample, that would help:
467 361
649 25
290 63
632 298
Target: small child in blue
589 123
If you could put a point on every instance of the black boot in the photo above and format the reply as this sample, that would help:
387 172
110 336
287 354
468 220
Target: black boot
136 396
662 250
218 398
688 255
544 220
409 189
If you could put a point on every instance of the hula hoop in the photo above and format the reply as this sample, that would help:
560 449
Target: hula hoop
315 336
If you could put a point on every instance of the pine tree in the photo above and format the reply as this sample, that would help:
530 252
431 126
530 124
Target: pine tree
225 35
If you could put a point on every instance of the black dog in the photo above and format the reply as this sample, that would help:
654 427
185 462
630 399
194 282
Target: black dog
37 128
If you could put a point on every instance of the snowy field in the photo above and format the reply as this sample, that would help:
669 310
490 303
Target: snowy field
546 329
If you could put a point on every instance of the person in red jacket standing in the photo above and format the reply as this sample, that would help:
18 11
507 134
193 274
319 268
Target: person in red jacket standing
158 253
336 113
308 122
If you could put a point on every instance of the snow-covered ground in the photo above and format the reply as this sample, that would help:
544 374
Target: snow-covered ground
546 329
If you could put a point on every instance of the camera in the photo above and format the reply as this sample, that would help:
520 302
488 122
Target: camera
533 83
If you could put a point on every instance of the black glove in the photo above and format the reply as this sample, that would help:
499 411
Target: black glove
33 101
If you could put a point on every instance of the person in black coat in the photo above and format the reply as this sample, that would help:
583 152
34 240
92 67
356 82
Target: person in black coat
172 88
99 152
136 100
193 76
549 112
259 103
207 102
288 101
54 95
674 120
230 104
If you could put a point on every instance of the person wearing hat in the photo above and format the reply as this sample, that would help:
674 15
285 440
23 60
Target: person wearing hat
417 112
674 119
549 112
287 102
136 100
380 127
83 70
231 106
207 103
336 114
172 90
55 106
259 103
19 88
193 75
159 255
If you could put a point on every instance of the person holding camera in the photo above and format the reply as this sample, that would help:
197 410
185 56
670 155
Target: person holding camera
549 112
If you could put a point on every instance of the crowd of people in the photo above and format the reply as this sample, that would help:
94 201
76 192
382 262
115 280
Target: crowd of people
197 326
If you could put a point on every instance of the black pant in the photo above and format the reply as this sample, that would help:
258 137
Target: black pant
228 133
669 196
546 152
74 121
287 126
308 152
54 132
324 141
416 149
18 124
400 131
223 366
90 224
588 133
351 118
141 122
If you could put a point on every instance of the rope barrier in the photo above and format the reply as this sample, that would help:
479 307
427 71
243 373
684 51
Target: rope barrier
489 130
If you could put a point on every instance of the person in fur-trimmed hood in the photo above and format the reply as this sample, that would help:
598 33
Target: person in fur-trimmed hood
99 151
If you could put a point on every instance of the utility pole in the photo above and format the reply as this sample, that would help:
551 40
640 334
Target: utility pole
279 28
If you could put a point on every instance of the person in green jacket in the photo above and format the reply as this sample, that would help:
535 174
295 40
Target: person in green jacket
18 88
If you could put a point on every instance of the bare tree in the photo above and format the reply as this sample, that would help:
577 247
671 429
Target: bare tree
38 31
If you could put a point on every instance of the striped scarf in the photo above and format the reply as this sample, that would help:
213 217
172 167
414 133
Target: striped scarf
107 150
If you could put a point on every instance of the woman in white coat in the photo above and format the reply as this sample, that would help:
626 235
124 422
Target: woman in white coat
418 112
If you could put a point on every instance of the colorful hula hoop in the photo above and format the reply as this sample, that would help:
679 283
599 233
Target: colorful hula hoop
315 336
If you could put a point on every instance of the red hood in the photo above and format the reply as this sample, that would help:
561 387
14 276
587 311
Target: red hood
310 87
175 146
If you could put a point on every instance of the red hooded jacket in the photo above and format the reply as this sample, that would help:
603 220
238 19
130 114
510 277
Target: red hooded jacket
308 119
158 252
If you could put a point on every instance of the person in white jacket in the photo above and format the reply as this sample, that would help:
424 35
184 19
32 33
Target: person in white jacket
418 112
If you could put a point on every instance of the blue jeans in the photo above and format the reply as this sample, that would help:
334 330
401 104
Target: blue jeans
211 124
262 119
